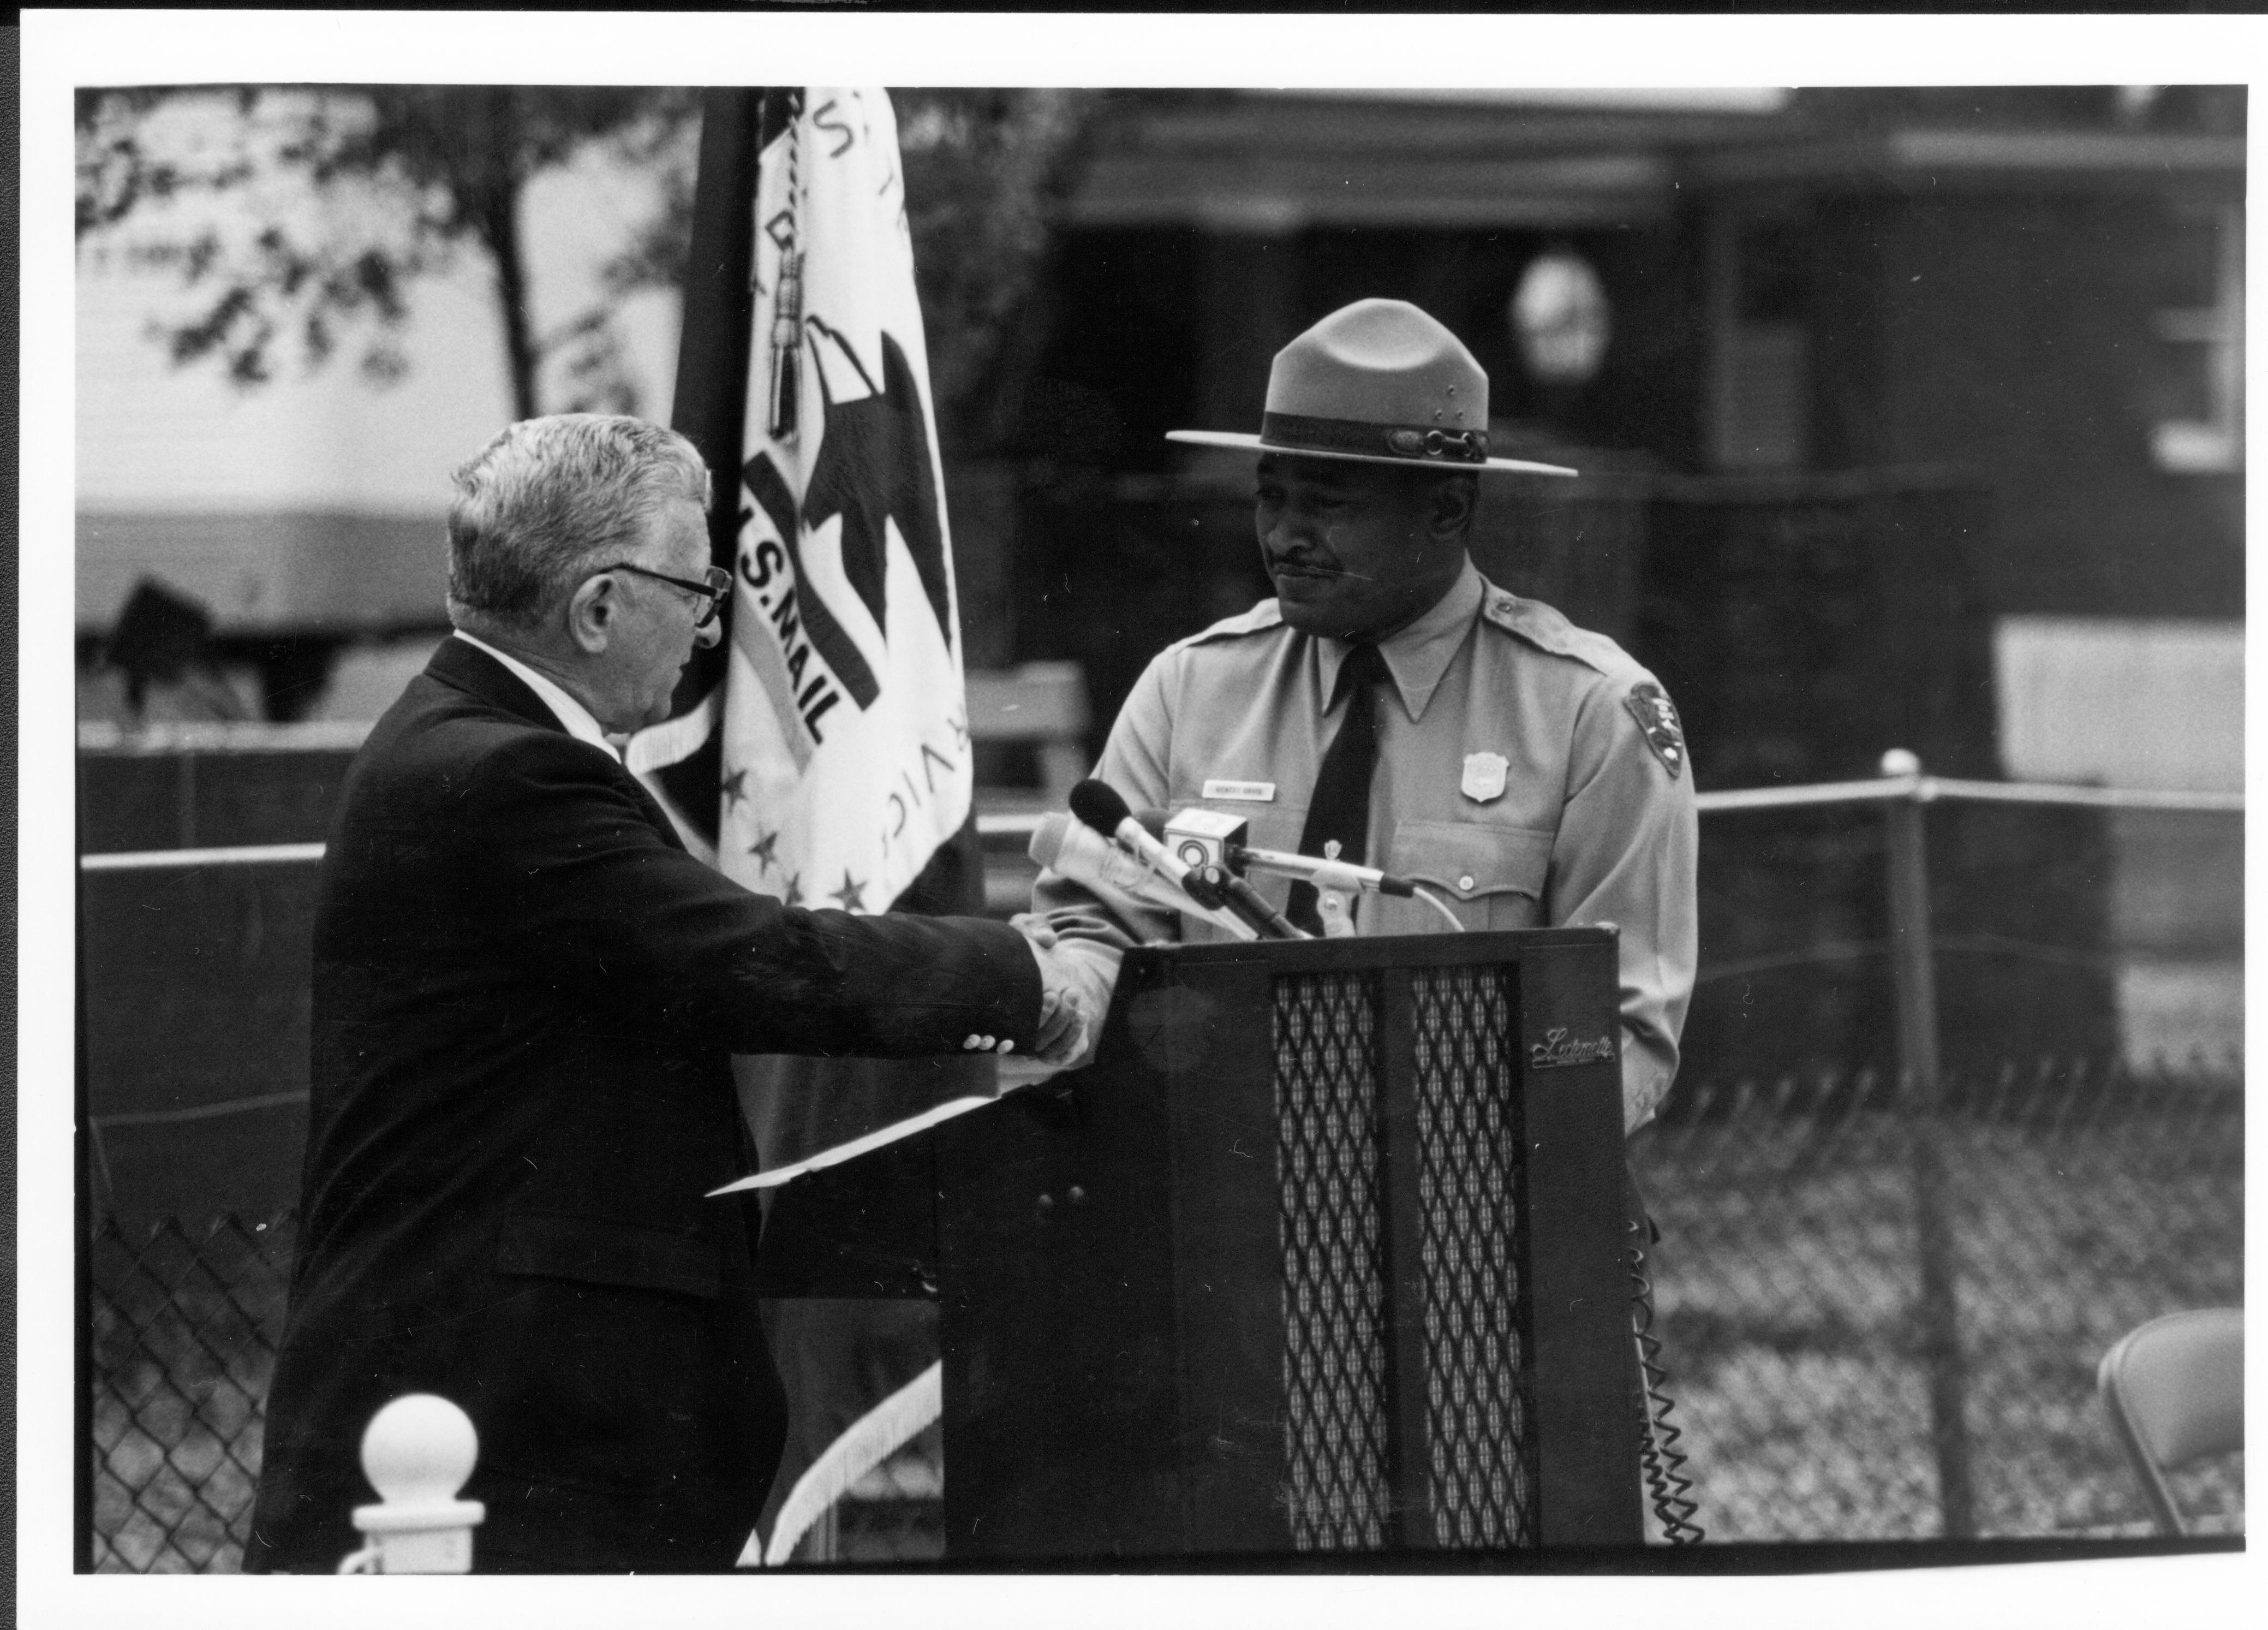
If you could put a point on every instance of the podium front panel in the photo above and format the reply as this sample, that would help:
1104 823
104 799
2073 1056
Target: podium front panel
1324 1254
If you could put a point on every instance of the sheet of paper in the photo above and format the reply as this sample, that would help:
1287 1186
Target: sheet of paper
1014 1073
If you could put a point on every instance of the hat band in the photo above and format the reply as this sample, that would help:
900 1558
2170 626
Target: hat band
1296 433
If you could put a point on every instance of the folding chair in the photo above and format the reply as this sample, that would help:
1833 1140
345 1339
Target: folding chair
2175 1389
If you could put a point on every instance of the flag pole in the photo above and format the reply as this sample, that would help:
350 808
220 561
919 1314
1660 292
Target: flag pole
800 294
683 760
787 305
709 404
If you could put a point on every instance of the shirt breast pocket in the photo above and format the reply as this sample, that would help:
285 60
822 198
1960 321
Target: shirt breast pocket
1491 876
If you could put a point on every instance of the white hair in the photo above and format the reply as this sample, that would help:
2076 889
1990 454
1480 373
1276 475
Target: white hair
548 499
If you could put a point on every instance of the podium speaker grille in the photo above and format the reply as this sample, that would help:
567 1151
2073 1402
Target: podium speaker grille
1335 1387
1468 1167
1338 1217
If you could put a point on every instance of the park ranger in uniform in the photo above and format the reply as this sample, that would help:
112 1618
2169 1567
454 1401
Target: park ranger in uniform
1391 699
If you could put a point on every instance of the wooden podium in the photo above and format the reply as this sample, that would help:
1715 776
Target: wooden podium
1324 1254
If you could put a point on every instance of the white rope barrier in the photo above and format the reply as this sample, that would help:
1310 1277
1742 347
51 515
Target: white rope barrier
2093 797
202 1112
1940 789
1877 791
186 859
1020 824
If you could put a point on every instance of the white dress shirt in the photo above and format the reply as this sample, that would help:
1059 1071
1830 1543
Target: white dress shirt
573 715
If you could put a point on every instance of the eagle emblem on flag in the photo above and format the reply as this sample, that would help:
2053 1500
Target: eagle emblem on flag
845 759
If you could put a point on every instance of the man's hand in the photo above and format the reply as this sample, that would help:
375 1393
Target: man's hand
1643 1086
1066 1027
1066 1023
1089 967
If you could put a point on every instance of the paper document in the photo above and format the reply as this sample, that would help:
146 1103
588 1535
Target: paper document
1014 1073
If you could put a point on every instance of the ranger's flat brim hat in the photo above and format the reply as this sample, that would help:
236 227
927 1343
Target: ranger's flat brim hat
1376 382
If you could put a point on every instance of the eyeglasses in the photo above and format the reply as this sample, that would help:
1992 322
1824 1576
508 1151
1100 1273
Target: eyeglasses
714 584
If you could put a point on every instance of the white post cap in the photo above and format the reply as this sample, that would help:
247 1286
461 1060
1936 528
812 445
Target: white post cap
417 1452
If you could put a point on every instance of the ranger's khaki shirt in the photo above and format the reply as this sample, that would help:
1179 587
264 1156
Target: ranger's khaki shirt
1594 824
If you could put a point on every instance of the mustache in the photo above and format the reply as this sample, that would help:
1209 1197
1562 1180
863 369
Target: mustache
1280 563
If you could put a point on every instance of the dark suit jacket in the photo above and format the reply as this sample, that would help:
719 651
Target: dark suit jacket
524 995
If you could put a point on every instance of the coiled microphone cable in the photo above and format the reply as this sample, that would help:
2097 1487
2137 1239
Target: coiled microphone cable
1659 1456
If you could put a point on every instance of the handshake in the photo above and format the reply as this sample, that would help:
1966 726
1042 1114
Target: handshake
1076 978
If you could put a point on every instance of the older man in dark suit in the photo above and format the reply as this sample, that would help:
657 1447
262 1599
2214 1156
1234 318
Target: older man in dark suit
525 993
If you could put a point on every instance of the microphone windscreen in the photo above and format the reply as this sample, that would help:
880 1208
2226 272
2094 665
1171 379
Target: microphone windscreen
1099 805
1048 837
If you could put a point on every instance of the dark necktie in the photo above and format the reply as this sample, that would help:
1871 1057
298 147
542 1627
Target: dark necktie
1340 805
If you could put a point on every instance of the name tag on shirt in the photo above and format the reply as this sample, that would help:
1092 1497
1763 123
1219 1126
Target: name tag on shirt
1241 791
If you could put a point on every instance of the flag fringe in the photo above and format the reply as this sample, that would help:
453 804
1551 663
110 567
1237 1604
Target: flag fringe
868 1441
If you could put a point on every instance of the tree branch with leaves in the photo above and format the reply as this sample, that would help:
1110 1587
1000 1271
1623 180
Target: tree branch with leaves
302 215
336 199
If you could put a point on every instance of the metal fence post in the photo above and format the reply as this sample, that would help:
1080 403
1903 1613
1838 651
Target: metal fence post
1914 995
83 1545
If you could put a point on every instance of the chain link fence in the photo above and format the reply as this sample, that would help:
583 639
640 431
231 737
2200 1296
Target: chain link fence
184 1321
2079 1200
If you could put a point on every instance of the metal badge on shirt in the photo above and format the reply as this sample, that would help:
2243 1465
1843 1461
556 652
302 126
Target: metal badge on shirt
1484 774
1241 791
1657 716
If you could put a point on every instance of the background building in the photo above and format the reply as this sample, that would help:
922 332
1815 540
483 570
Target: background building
2039 291
1907 418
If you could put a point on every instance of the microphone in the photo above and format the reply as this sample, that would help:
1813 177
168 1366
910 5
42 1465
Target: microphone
1099 805
1199 837
1323 873
1247 903
1062 845
1071 850
1202 839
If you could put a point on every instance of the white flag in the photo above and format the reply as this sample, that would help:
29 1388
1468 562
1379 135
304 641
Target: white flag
846 752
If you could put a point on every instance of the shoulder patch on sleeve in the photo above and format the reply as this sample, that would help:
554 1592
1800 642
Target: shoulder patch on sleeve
1259 620
1657 718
